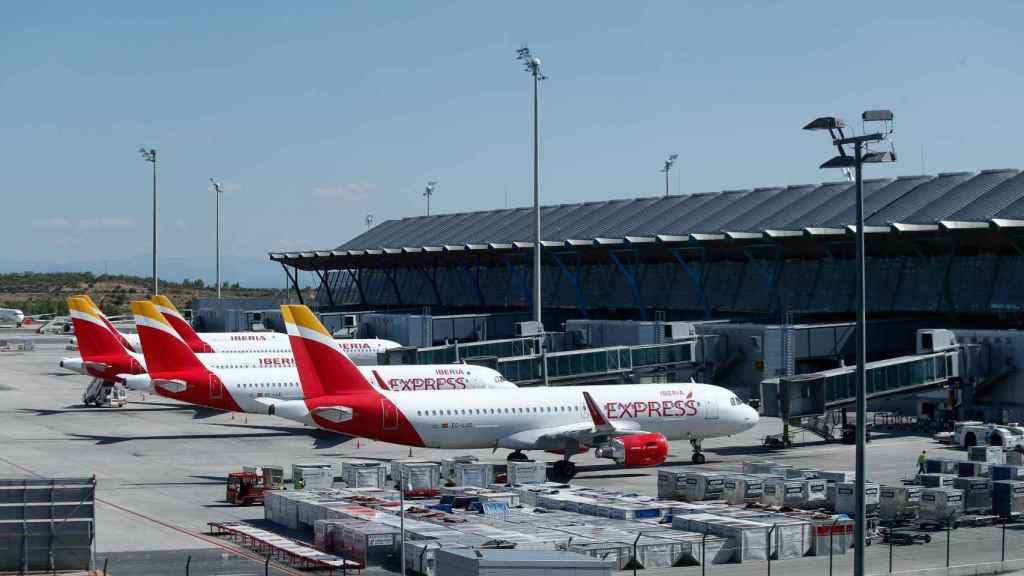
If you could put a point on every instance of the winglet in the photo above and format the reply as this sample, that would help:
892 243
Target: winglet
600 420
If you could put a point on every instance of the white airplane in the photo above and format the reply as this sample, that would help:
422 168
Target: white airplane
240 382
361 351
12 315
630 424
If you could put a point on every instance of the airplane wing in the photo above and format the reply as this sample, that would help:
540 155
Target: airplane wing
596 431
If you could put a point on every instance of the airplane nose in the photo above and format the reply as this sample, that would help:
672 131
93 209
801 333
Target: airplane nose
750 417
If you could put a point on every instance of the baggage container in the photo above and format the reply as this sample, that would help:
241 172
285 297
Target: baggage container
977 494
757 467
740 489
898 503
846 499
1014 457
940 466
835 532
672 484
527 472
780 492
794 493
371 544
935 480
749 539
509 498
940 505
422 479
987 454
448 465
473 474
362 474
705 485
837 475
394 466
620 553
1007 498
790 538
969 468
1007 472
312 476
801 474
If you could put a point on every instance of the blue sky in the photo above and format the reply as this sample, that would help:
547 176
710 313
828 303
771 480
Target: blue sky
315 114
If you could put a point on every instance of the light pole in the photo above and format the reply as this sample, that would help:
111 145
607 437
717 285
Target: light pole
217 192
428 192
150 156
668 168
532 65
861 155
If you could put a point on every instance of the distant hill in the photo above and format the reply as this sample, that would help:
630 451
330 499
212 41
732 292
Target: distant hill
43 293
245 270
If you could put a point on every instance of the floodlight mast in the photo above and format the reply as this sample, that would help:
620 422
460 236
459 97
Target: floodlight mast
428 192
149 155
217 192
861 155
532 65
369 220
667 168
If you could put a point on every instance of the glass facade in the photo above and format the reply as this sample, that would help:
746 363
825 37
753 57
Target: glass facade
880 379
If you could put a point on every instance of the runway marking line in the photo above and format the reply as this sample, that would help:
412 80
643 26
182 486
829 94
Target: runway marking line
198 536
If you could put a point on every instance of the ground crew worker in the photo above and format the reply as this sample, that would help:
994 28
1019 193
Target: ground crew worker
920 461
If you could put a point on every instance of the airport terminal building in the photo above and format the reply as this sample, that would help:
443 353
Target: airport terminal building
761 279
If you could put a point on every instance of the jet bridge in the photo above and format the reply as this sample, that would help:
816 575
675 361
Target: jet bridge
818 392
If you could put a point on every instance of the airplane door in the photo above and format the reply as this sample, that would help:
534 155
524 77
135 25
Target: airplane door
216 390
710 409
390 413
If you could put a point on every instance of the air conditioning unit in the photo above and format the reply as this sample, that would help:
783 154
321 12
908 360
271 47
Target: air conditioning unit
531 328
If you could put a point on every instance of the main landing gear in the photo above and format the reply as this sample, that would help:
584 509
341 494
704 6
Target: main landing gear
563 470
698 456
517 456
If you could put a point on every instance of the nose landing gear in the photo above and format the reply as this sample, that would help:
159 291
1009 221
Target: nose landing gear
517 456
698 456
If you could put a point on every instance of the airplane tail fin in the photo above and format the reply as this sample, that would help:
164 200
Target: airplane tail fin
110 326
93 336
180 325
323 367
163 348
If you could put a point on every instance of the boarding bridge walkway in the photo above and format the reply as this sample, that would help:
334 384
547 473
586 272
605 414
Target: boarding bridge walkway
816 393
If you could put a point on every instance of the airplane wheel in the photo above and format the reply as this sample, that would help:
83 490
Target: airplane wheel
698 458
563 470
518 457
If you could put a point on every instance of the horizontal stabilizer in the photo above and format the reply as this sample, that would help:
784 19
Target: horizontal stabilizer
336 414
174 386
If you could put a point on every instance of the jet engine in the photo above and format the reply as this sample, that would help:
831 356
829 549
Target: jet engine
635 450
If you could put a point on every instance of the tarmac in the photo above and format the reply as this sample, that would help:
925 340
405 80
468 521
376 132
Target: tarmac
161 468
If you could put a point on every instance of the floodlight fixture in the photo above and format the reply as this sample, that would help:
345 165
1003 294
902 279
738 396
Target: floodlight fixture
670 162
877 116
369 220
530 62
148 155
428 192
879 157
825 123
